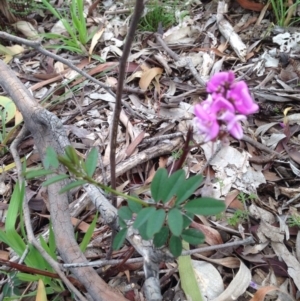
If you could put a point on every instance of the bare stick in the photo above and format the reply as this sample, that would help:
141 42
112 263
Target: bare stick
138 11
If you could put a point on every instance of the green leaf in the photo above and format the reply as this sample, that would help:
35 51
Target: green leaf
143 216
175 245
51 158
143 231
55 179
37 173
175 221
51 242
72 185
205 206
64 160
161 237
155 222
188 277
187 219
119 239
88 235
193 236
72 155
14 207
125 213
158 183
91 162
172 184
187 188
134 206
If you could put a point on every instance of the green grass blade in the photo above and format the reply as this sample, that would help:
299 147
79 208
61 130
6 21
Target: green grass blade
89 233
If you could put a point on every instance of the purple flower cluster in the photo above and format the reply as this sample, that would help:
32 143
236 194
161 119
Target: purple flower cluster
218 111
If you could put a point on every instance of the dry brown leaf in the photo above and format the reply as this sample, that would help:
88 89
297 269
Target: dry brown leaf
94 42
148 76
130 149
263 291
229 262
237 286
212 236
81 225
4 255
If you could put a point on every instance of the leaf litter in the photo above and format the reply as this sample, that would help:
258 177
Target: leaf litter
158 100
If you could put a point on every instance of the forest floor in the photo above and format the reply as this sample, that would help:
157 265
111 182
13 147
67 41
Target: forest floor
177 48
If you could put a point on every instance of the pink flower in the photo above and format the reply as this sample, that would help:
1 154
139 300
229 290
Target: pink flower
225 98
206 122
242 99
233 125
221 104
220 81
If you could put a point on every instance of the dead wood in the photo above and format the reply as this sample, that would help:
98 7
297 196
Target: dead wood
47 130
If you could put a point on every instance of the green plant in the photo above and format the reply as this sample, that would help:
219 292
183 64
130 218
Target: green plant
159 14
238 217
8 112
283 12
76 28
243 197
177 154
165 218
17 242
294 220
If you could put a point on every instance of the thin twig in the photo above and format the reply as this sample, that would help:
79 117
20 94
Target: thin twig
38 47
138 11
113 262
